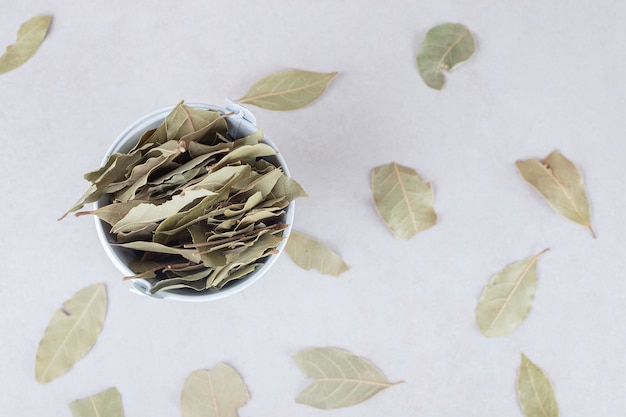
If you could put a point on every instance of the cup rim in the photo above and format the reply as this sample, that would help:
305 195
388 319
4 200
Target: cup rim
244 123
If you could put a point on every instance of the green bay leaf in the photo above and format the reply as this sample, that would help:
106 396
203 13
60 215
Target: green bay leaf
535 392
29 37
444 47
288 90
215 392
506 300
308 253
561 184
403 200
72 331
341 378
107 403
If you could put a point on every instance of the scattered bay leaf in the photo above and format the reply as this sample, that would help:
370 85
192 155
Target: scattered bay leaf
403 200
341 378
308 253
535 392
107 403
506 299
444 48
288 90
72 331
560 183
29 37
217 392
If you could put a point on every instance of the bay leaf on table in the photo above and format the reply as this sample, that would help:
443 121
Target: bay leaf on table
29 37
215 392
561 184
403 200
72 331
341 378
288 90
444 47
506 300
308 253
107 403
535 392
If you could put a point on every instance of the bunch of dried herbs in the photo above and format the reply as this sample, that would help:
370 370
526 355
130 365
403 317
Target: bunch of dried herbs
199 207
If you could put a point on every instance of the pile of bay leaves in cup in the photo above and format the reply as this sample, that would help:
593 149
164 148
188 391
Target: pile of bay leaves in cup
200 208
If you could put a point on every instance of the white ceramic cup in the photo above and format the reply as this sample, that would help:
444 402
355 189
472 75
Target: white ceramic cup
240 124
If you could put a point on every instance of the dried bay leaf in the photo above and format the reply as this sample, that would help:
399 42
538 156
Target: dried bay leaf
72 331
507 298
107 403
245 153
216 392
184 120
560 183
341 378
112 213
114 170
289 187
535 392
29 37
288 90
308 253
189 254
403 200
140 216
444 47
92 194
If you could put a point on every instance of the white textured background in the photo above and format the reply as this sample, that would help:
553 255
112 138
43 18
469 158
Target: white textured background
545 76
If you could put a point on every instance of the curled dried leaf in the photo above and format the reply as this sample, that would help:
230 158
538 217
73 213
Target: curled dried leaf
445 47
